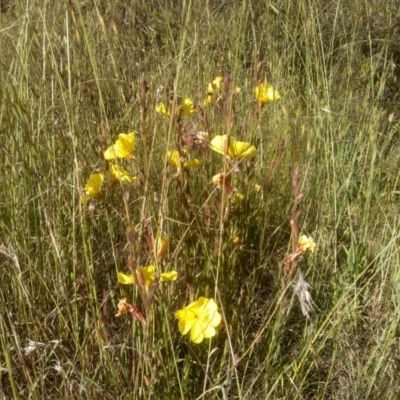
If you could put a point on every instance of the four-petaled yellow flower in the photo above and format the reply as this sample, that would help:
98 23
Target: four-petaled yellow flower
175 159
232 147
200 318
266 93
306 244
148 274
122 148
93 186
121 174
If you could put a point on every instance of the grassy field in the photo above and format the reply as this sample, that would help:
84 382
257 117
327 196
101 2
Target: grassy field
286 320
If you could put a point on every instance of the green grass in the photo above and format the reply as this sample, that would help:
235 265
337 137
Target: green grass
73 75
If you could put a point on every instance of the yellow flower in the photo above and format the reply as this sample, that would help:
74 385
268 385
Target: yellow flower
237 198
200 318
265 93
160 246
306 244
121 174
232 147
93 186
174 158
187 107
162 109
208 100
213 87
257 187
122 148
149 274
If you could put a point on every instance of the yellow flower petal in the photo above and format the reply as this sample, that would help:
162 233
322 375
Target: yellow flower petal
161 245
232 147
187 107
196 333
192 163
149 274
162 109
266 93
169 276
121 174
217 83
94 185
242 150
174 158
125 279
237 198
122 148
186 322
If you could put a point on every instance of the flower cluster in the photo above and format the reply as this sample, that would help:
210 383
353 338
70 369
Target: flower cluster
201 317
123 148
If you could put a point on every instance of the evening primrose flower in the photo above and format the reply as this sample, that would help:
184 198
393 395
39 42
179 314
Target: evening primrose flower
93 186
187 107
265 93
149 274
306 244
237 198
121 174
162 109
200 318
257 187
122 148
232 147
175 159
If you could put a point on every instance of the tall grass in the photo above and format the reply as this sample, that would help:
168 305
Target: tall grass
73 75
